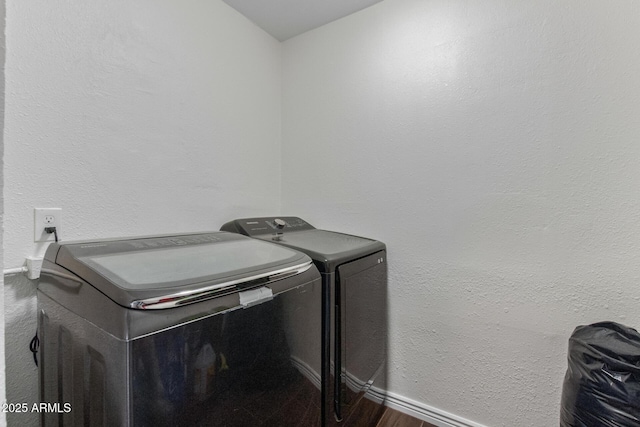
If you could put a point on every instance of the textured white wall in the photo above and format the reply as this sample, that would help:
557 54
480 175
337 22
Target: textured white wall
3 394
137 117
134 117
494 147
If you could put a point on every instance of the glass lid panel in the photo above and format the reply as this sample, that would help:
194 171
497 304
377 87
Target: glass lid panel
166 267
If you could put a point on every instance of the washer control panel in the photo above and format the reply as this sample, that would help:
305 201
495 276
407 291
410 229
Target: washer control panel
267 225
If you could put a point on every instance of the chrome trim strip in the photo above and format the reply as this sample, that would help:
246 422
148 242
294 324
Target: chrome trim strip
192 296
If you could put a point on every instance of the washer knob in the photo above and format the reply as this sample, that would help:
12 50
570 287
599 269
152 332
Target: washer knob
279 223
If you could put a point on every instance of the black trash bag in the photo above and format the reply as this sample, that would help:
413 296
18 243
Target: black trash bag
602 384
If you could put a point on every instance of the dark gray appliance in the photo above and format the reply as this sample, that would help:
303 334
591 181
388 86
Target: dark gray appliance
354 278
205 329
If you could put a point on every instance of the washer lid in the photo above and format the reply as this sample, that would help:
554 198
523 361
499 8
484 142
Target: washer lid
327 248
167 271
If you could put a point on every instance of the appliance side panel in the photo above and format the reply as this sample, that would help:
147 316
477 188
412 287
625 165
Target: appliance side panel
65 372
83 370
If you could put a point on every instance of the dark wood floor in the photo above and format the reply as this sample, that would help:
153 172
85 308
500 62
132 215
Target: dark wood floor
393 418
366 413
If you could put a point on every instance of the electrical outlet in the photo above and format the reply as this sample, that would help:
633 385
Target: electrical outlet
46 217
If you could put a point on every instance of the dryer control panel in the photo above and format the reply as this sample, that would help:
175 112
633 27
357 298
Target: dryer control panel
266 225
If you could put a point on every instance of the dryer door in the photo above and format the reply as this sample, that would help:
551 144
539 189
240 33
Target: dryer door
361 336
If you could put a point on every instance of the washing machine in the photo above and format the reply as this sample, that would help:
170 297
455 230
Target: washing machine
206 329
354 301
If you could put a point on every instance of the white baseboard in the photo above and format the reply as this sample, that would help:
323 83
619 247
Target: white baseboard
395 401
427 413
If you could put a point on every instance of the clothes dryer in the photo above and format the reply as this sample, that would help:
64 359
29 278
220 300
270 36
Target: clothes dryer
354 300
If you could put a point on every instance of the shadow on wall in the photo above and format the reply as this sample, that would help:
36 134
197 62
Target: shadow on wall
20 326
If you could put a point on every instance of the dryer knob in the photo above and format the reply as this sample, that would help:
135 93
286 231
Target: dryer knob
279 223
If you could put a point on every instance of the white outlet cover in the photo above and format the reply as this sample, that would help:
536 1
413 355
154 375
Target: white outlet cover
46 217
